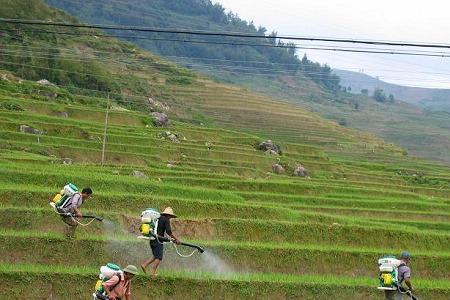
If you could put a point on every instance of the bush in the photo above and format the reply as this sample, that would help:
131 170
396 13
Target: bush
181 80
11 106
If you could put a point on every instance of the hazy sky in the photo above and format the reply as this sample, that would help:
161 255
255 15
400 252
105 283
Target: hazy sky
396 20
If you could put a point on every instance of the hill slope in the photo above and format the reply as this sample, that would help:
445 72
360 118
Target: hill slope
225 197
423 133
223 189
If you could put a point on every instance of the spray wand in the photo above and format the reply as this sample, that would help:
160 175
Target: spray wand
162 239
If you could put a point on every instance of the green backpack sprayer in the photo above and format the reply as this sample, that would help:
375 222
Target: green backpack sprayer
106 273
63 198
148 230
388 276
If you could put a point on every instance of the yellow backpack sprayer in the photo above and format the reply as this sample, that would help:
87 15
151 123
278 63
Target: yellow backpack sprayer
148 230
388 275
63 198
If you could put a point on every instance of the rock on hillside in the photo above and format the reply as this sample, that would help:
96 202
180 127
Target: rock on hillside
269 147
29 129
277 169
301 171
160 119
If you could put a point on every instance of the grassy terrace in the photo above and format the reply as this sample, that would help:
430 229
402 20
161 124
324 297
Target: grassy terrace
309 238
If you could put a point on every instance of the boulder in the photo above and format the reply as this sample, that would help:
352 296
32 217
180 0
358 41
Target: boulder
277 169
160 119
157 105
174 138
271 152
45 82
29 129
139 174
269 146
62 114
67 161
301 171
51 95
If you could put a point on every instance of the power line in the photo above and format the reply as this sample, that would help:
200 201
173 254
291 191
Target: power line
222 34
215 71
212 68
72 51
293 46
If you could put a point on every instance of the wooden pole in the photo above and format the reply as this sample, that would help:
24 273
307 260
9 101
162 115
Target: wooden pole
105 130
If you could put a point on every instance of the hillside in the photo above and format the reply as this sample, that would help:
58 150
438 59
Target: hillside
364 198
228 201
427 98
423 132
201 52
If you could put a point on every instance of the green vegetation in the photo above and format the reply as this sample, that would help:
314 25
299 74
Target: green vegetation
282 236
279 74
351 210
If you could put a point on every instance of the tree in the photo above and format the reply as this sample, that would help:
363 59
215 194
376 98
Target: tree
391 98
365 92
379 95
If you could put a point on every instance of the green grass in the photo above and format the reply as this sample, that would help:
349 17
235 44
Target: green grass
284 237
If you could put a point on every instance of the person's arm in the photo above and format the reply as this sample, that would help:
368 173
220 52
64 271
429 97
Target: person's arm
176 239
75 204
110 283
170 233
409 283
77 212
128 292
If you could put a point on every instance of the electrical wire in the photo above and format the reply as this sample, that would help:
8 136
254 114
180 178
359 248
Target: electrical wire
293 46
72 51
224 69
222 34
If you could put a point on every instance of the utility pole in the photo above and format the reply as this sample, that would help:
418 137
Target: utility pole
106 129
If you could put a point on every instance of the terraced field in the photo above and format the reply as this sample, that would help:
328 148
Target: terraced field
266 235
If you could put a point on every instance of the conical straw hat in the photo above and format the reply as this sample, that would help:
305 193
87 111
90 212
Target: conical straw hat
169 212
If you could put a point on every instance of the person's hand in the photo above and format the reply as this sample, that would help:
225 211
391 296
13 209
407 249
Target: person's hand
78 215
177 241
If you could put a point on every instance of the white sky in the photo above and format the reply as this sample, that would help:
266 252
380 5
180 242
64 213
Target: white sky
396 20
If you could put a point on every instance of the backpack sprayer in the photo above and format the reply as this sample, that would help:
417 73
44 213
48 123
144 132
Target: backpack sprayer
388 276
148 229
62 198
106 273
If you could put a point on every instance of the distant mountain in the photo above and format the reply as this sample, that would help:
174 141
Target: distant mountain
428 98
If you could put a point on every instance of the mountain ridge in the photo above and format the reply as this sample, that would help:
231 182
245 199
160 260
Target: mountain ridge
429 98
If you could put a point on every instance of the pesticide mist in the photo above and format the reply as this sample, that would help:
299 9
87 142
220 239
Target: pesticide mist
125 248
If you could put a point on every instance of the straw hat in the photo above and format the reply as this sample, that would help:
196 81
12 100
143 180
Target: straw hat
131 269
169 212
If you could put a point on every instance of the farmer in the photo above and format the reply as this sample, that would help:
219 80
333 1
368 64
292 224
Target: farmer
404 276
73 207
157 246
119 287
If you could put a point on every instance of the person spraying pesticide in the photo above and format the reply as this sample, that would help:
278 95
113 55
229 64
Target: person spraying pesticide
67 204
154 227
114 283
157 225
393 273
